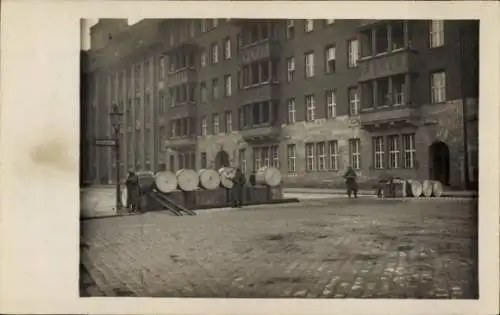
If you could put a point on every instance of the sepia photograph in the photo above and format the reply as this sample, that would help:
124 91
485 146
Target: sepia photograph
279 158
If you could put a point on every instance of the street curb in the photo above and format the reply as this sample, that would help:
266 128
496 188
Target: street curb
365 193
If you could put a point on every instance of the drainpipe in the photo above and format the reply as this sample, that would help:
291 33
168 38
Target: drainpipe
464 107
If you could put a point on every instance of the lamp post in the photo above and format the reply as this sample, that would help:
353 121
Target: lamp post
116 118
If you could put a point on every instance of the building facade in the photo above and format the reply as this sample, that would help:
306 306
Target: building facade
311 97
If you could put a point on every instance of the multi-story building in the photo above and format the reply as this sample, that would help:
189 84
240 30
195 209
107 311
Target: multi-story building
307 96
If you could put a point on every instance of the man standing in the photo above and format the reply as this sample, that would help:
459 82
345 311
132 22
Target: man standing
239 181
351 183
132 184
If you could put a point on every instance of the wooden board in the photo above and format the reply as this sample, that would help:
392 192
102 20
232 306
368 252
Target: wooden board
209 179
166 182
226 175
427 188
414 188
268 176
187 180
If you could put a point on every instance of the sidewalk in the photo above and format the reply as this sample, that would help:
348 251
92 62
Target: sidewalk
368 192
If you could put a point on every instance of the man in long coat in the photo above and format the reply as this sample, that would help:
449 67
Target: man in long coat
132 184
239 181
351 183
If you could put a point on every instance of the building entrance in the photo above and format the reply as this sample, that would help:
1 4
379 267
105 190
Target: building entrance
439 162
221 159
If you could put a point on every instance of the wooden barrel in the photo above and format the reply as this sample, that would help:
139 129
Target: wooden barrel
269 176
226 175
187 180
146 181
209 179
427 188
437 188
166 181
414 188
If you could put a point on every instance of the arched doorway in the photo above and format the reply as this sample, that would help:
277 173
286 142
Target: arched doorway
221 159
439 162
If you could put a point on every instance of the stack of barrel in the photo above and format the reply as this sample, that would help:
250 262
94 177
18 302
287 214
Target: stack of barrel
209 179
426 188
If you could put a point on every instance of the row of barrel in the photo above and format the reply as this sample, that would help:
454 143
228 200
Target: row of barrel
426 188
209 179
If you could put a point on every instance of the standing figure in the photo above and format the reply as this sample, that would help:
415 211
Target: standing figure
351 183
239 181
132 184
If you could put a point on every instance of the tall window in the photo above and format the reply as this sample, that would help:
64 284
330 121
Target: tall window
161 71
227 85
275 157
290 75
214 52
242 160
215 89
256 158
163 103
309 64
204 25
355 153
265 156
204 126
321 151
227 48
333 155
394 151
438 87
203 160
409 153
310 108
203 58
228 115
330 59
436 33
215 123
378 147
331 104
203 92
353 101
290 29
353 46
308 26
291 110
290 149
310 165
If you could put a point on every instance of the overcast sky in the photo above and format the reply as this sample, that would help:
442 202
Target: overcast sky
87 24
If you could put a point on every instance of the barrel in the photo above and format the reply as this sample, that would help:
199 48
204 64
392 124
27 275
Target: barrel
187 179
414 188
269 176
146 181
166 181
226 175
437 188
427 188
209 179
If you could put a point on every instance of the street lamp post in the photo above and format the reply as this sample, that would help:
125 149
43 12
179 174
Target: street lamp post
116 119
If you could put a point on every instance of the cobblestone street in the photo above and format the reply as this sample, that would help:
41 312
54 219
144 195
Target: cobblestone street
324 248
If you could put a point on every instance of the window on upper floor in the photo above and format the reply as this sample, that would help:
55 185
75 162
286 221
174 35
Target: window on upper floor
228 90
227 48
330 59
438 87
290 29
353 53
308 26
331 104
291 110
215 89
214 53
353 96
436 33
309 64
310 108
290 76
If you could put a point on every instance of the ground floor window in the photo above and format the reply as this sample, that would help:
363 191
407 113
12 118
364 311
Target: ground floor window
242 160
266 156
355 153
310 158
291 158
409 154
378 152
333 155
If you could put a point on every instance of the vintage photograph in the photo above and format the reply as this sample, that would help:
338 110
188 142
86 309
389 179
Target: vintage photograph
279 158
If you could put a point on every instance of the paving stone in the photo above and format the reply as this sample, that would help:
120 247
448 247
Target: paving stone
316 249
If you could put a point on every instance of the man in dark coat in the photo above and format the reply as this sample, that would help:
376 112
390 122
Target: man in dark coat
239 181
132 184
351 183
